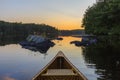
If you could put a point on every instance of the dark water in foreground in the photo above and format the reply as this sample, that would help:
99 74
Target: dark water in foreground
17 63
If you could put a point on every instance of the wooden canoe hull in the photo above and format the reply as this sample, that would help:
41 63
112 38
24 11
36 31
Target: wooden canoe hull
59 68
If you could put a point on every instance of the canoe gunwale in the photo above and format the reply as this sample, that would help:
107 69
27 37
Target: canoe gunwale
60 54
44 68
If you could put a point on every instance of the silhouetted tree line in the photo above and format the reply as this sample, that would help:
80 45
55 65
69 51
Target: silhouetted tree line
72 32
20 29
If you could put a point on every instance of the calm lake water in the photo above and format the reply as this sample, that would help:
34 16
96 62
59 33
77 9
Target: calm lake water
17 63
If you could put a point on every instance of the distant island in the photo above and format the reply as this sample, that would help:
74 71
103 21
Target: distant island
25 29
72 32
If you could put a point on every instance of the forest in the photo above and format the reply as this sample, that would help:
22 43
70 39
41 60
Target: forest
20 29
102 20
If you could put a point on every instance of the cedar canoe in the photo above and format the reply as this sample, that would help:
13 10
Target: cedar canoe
59 68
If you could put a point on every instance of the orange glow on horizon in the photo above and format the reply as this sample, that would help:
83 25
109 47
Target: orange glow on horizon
60 22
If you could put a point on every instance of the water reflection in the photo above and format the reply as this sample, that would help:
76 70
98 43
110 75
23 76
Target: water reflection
105 57
102 59
5 40
41 50
22 64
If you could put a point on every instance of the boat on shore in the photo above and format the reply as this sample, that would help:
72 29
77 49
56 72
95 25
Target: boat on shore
59 68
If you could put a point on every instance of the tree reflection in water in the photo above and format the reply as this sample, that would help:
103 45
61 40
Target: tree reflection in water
10 39
41 49
106 57
15 39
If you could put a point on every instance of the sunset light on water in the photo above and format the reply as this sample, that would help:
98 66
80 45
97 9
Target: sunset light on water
59 39
44 18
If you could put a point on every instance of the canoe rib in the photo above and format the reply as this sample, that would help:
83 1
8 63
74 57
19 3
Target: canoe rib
59 68
59 72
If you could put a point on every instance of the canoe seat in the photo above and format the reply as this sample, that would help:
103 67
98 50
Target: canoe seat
59 72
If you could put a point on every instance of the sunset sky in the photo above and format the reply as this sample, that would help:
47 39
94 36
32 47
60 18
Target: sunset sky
62 14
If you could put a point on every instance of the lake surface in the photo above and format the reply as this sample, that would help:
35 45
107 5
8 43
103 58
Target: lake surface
17 63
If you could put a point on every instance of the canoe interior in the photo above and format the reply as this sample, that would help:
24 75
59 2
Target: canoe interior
60 68
60 63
